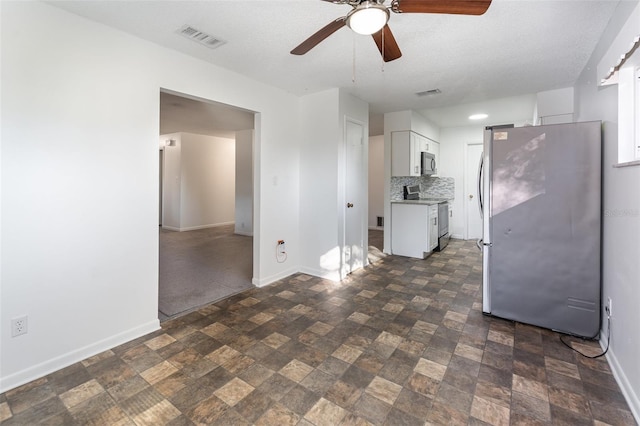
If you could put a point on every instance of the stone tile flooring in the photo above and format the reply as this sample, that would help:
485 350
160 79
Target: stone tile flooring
402 342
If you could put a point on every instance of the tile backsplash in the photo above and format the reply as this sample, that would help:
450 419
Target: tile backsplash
437 187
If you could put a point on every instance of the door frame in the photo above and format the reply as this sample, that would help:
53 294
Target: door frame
342 196
466 178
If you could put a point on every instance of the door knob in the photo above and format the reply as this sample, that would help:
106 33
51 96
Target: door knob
349 205
470 196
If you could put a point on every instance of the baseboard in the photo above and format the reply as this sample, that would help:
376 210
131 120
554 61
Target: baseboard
457 236
273 278
327 275
37 371
621 378
194 228
246 234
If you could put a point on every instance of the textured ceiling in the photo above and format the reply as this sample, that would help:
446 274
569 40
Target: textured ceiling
517 47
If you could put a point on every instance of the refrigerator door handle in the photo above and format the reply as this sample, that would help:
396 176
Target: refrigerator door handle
480 243
480 201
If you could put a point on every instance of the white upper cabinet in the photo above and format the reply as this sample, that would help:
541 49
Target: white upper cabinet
406 147
405 154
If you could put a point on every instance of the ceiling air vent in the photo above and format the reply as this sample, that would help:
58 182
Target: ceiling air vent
201 37
429 92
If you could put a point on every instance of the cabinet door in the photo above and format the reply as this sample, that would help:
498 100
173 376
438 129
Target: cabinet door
422 143
400 154
416 155
405 154
409 230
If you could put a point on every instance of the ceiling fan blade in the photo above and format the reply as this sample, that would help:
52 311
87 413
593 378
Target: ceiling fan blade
319 36
460 7
389 50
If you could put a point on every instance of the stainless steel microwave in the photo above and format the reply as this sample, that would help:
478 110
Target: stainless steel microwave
428 164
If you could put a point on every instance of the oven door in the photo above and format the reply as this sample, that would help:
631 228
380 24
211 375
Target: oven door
443 219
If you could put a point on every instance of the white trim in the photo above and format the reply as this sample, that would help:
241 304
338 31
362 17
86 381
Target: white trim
326 275
40 370
618 373
194 228
273 278
246 234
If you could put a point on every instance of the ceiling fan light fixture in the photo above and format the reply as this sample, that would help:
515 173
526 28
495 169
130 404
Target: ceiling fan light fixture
368 18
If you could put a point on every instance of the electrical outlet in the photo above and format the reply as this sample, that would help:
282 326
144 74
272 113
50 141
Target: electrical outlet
19 326
609 306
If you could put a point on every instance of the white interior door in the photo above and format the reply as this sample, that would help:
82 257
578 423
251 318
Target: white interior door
474 221
355 211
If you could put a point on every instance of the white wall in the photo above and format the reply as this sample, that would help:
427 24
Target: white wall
322 178
555 106
453 141
244 183
319 182
80 181
171 182
208 181
376 179
200 181
422 125
621 220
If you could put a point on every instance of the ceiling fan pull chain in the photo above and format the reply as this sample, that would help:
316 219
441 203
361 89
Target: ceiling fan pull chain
353 71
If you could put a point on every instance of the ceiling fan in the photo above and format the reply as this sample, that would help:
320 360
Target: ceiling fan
370 17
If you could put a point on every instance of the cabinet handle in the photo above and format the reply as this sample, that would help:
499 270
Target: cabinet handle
349 205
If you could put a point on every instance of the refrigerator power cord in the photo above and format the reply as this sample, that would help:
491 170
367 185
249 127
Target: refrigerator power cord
593 338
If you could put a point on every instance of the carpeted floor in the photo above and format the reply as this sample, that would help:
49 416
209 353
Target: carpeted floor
200 267
206 265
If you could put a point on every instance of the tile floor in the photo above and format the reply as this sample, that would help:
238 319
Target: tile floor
402 342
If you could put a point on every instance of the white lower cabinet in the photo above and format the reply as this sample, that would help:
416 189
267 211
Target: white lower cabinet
411 230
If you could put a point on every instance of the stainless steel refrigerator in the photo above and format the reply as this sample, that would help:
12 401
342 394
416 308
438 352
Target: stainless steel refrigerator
540 198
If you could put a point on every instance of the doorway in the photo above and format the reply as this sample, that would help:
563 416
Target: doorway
473 225
206 160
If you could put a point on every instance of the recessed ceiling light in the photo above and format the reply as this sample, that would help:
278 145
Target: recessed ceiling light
478 116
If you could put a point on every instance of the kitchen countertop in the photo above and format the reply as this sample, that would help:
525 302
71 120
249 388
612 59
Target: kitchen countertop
423 201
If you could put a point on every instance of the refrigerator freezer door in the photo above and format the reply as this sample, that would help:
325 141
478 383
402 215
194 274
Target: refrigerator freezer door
544 263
